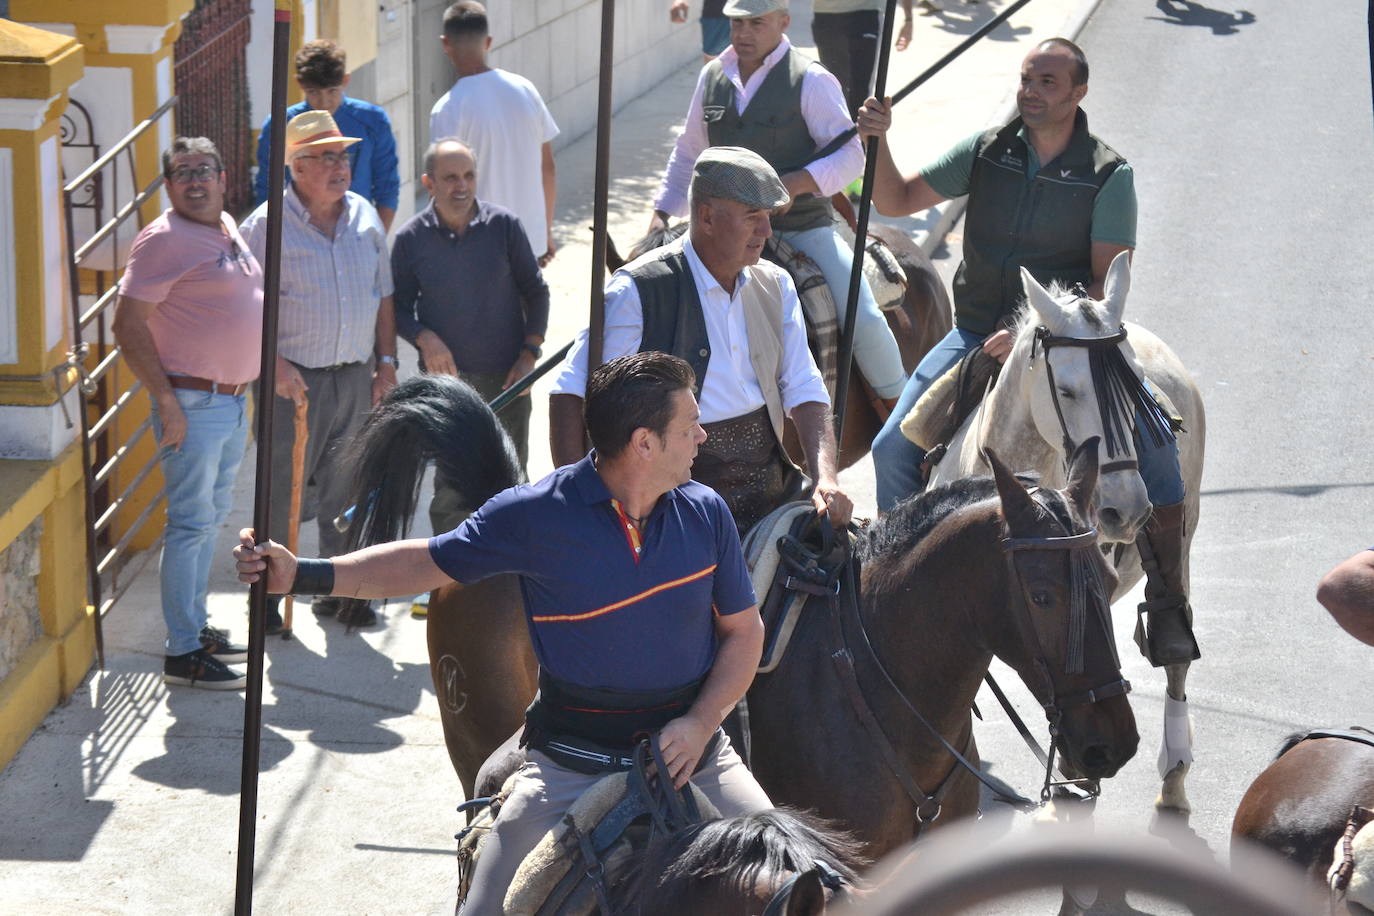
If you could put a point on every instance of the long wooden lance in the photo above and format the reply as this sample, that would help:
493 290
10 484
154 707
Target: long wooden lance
856 270
262 497
601 189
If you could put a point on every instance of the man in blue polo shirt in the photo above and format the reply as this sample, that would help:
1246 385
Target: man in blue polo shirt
322 74
638 601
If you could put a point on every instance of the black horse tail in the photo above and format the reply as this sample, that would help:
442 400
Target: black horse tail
427 418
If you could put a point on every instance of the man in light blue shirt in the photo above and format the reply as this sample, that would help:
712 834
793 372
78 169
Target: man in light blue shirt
322 75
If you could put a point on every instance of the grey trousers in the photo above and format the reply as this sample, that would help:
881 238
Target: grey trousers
445 513
339 399
543 793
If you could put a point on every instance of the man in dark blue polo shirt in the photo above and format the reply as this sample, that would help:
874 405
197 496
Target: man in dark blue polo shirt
638 602
469 295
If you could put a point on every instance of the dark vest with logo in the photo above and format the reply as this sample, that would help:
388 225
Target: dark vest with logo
772 126
1043 224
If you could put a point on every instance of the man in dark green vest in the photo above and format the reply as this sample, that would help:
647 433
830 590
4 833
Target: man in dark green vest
1043 194
762 95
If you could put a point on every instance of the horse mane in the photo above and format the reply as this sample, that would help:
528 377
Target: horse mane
1025 319
1292 741
435 418
736 853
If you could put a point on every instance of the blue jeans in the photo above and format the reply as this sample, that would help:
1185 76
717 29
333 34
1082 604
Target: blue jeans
897 460
200 479
875 349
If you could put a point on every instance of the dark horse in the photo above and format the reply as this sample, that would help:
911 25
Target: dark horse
922 320
775 862
936 590
1301 804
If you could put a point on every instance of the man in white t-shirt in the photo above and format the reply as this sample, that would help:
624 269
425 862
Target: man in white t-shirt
500 116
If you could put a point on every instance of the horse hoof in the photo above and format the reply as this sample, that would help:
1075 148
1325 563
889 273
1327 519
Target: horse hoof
1172 797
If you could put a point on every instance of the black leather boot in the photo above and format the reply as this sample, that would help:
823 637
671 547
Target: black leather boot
1164 627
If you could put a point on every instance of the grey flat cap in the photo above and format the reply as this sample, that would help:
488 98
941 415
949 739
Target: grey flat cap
742 9
736 173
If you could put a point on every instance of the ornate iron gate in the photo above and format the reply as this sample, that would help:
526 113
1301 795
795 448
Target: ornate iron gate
212 82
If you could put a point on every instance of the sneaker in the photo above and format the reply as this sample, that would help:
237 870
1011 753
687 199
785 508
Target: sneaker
325 607
356 613
216 642
201 669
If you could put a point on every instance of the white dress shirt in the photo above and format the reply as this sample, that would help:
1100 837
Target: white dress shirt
822 106
731 387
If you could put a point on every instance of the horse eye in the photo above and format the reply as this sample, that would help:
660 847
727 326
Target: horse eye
1040 599
1066 394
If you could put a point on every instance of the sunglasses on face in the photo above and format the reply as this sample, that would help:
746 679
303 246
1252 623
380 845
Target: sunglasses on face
188 175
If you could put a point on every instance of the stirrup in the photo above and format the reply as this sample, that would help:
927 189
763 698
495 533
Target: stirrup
1168 621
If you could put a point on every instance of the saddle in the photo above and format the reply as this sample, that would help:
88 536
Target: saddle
1353 733
791 559
613 820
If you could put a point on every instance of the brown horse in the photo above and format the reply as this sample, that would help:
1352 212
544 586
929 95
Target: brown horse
922 320
1301 804
938 598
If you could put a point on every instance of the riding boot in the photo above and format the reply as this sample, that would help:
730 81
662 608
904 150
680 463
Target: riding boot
1164 628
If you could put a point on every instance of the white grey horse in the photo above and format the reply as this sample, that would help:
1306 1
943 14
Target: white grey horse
1019 420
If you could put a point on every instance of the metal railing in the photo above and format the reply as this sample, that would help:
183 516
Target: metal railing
104 451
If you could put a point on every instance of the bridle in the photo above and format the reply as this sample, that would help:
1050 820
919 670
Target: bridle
1086 588
1121 396
830 879
1087 593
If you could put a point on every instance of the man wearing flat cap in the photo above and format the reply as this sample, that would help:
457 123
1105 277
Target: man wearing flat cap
336 344
708 299
762 95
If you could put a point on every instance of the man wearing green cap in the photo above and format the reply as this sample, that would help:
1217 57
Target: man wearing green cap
708 299
764 96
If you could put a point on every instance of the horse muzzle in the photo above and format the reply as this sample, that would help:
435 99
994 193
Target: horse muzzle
1098 739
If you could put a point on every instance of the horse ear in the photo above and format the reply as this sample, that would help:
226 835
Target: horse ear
1115 287
1039 299
1015 500
1083 475
807 897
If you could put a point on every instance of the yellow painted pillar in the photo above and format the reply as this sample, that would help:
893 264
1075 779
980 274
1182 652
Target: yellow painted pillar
46 642
129 73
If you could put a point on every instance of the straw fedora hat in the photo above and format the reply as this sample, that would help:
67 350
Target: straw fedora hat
314 128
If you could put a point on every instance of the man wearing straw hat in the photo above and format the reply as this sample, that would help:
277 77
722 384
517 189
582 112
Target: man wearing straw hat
709 300
336 344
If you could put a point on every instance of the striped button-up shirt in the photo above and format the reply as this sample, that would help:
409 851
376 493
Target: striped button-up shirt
330 287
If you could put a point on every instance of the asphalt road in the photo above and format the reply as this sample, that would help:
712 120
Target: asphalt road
1250 135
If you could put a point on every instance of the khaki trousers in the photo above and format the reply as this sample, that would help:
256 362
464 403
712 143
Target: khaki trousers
543 793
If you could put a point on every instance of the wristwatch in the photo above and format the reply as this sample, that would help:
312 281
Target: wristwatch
388 361
537 350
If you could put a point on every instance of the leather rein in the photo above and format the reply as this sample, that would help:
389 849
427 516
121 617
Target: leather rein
929 804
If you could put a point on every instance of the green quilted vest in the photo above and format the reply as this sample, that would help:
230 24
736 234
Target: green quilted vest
772 126
1043 223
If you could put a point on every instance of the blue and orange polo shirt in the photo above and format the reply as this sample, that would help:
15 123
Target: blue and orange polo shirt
605 607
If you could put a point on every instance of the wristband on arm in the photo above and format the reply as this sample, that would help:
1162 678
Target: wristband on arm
313 577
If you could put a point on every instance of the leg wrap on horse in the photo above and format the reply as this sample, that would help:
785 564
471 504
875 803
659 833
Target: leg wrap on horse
1164 627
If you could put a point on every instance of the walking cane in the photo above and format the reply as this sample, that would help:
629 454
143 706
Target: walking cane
293 519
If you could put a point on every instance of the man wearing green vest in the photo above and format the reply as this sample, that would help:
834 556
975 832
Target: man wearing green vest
761 95
1046 195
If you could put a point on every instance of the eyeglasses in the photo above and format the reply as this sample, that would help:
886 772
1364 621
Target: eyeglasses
330 160
188 175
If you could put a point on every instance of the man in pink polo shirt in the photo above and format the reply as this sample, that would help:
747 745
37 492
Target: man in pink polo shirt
189 323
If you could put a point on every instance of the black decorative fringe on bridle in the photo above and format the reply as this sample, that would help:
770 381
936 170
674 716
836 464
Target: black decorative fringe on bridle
1121 394
1087 588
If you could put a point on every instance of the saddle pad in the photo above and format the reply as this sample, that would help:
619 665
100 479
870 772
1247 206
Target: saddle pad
1361 887
926 420
761 555
885 276
549 863
818 306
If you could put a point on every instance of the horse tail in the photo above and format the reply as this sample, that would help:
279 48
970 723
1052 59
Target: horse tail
427 418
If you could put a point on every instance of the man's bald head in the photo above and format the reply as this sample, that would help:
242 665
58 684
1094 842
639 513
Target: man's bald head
446 147
1064 46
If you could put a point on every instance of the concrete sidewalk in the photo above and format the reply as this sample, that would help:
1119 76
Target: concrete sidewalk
126 799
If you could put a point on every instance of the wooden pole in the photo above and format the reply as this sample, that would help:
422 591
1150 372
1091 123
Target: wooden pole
856 270
262 497
596 320
293 522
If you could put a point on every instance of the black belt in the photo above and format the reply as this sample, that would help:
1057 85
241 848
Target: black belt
592 759
609 721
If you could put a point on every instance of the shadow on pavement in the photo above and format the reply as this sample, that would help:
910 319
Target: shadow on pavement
1186 12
